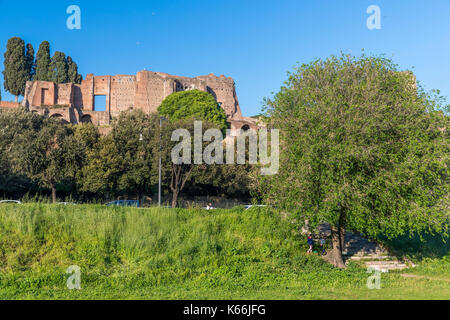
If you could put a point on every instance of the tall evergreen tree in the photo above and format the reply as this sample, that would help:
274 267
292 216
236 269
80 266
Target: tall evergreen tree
72 69
43 62
58 68
31 65
16 72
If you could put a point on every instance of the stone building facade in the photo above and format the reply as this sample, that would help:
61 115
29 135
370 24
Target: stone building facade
145 91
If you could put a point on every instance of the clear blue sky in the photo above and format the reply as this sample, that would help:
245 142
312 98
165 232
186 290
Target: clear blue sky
255 42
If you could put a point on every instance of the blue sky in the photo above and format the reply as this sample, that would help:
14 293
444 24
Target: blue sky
255 42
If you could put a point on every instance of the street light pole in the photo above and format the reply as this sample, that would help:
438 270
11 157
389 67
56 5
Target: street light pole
160 160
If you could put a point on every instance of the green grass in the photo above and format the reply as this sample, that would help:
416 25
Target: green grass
127 253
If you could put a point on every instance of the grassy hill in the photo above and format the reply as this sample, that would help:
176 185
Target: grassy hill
127 253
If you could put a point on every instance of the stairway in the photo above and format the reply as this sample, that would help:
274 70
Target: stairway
371 254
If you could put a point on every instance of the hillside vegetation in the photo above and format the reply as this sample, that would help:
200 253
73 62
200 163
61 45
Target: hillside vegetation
127 253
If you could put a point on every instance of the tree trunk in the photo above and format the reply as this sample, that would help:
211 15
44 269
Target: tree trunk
342 230
175 199
53 193
140 198
336 254
342 237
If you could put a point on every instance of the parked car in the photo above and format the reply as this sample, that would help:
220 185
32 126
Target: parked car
124 203
66 203
253 206
10 201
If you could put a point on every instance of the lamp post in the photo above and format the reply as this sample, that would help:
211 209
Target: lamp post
161 119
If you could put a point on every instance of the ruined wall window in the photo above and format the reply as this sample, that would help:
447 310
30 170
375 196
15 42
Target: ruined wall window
100 103
44 96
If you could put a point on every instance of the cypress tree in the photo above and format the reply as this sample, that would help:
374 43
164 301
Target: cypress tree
72 69
16 71
43 62
58 68
31 65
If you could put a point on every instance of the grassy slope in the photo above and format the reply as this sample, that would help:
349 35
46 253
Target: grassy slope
183 254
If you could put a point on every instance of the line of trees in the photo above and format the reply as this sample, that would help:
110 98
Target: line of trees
361 148
21 65
38 153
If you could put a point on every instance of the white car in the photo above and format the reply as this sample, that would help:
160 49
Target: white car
254 206
10 201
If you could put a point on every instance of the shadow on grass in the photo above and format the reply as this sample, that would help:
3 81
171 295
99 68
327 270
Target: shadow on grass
417 248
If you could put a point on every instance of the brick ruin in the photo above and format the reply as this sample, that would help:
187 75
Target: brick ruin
75 103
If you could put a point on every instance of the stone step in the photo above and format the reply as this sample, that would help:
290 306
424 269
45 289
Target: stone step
386 265
362 247
359 244
384 262
387 268
365 249
364 253
372 257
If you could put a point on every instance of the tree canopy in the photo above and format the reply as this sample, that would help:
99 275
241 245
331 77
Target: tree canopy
193 104
17 66
21 66
43 61
122 162
362 148
48 153
72 71
58 68
31 65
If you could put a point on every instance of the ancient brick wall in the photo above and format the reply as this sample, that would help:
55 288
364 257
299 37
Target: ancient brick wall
86 94
123 92
40 93
223 90
144 91
150 91
9 105
64 94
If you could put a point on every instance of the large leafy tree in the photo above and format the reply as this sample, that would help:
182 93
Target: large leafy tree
361 148
12 126
182 108
16 64
87 134
48 153
58 72
193 104
135 134
43 61
180 175
225 180
122 162
101 168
